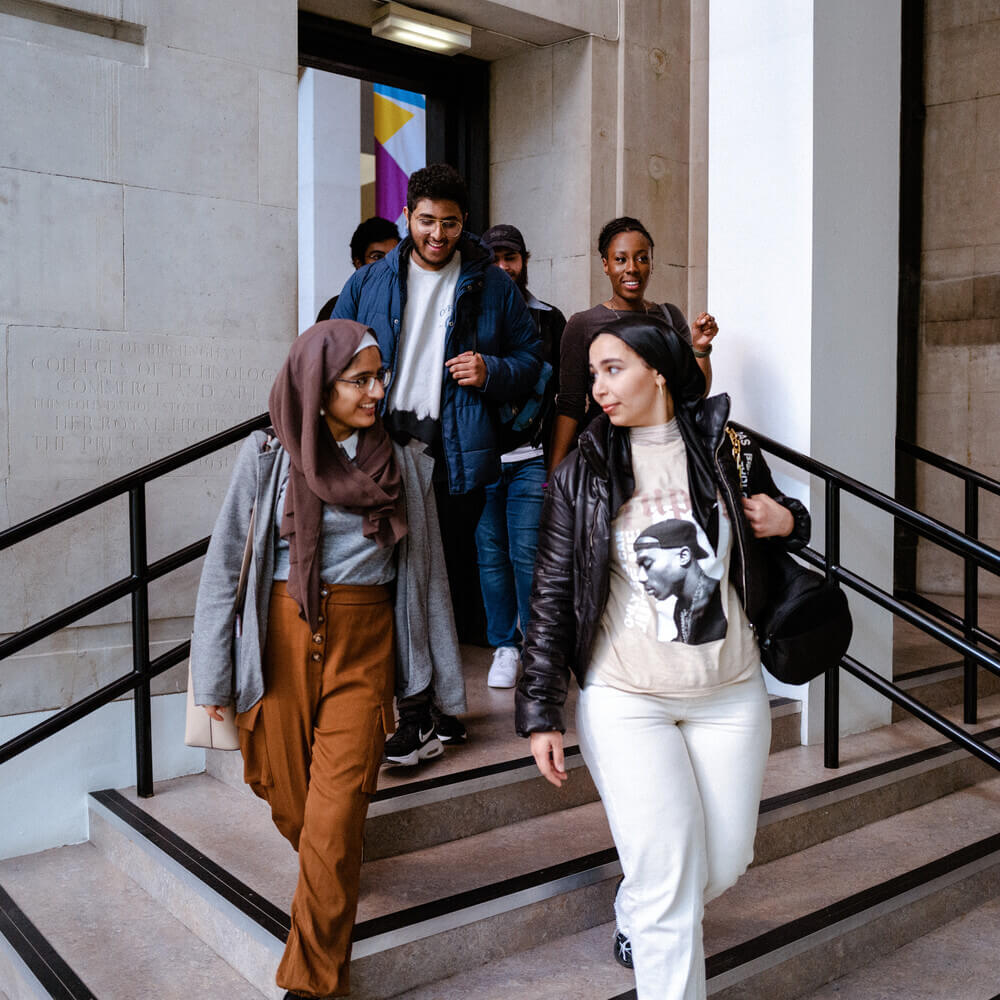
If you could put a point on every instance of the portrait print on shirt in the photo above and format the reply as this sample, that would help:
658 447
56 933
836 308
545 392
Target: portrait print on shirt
676 567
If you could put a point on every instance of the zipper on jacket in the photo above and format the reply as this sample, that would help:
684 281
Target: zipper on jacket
737 524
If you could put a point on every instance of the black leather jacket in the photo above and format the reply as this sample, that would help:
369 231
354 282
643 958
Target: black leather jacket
572 566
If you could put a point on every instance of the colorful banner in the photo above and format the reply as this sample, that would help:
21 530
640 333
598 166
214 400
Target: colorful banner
400 148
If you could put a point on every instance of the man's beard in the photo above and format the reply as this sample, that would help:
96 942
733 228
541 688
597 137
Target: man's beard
431 264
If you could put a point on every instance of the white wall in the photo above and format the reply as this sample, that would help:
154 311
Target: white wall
329 186
802 262
760 211
43 792
855 268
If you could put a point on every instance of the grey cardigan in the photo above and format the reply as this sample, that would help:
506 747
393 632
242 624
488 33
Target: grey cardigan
426 642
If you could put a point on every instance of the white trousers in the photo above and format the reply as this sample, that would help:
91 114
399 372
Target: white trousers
681 781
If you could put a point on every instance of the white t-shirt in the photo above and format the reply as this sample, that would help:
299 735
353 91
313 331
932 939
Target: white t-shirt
430 300
673 623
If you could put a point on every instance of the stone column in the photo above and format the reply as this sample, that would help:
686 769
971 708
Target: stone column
803 261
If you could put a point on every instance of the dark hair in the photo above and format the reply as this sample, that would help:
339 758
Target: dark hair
656 341
439 182
373 230
623 224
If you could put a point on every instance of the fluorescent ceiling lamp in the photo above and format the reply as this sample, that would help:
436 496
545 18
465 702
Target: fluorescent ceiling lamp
403 24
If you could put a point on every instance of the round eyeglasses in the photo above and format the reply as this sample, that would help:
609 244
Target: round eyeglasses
367 382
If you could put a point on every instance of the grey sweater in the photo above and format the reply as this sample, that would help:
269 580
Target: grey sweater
224 671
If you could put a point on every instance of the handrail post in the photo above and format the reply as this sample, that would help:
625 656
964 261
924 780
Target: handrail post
970 686
831 679
140 642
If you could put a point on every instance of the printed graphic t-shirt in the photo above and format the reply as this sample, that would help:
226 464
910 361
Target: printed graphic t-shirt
673 623
414 404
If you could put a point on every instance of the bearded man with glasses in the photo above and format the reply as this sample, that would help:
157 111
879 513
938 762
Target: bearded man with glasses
460 342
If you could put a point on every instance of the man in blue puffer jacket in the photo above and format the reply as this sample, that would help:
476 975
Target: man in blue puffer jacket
459 341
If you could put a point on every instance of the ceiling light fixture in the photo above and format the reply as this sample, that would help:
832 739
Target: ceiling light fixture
399 23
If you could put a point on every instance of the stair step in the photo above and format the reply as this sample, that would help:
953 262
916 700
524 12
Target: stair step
956 960
941 686
487 782
118 940
795 923
568 968
482 896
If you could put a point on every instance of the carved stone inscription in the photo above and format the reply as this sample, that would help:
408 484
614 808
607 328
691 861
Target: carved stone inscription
83 403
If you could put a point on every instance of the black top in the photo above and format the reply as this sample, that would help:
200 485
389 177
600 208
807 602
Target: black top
574 365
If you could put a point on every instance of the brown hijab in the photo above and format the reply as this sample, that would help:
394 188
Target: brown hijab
319 470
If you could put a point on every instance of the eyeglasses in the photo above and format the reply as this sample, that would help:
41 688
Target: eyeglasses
427 224
367 382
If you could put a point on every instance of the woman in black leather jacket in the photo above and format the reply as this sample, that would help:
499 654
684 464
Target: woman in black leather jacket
647 578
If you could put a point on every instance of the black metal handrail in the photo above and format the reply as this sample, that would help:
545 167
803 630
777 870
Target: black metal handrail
135 585
975 553
966 641
973 482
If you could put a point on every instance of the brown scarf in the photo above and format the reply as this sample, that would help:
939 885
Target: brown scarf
319 470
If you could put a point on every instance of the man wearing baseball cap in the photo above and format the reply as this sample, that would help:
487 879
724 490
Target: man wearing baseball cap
508 527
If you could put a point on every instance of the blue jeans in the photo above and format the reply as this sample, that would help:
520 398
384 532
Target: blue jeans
506 539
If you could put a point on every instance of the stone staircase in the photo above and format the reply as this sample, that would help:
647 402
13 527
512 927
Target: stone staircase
483 881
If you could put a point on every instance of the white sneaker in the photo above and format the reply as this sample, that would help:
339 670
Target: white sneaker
503 670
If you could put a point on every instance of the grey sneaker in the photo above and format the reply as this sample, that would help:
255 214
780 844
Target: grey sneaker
414 740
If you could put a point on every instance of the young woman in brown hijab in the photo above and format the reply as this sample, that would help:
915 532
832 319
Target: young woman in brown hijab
313 676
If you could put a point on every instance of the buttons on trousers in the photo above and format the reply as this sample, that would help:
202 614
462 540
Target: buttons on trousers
318 637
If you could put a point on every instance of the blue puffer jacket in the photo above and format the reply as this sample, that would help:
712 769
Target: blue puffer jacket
489 317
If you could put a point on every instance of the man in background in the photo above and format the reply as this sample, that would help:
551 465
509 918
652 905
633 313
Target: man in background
460 342
507 534
371 241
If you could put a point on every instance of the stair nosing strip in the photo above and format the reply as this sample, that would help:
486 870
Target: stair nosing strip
413 922
473 776
922 673
209 873
38 955
408 923
846 782
854 910
426 919
417 793
843 915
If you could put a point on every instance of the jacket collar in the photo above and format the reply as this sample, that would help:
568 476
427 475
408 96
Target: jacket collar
710 416
532 303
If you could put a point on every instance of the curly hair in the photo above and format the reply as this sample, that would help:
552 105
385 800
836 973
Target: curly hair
439 182
373 230
623 224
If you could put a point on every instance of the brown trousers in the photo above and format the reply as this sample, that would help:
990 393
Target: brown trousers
311 748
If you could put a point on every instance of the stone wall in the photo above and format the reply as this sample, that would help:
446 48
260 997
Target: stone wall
147 292
959 378
556 171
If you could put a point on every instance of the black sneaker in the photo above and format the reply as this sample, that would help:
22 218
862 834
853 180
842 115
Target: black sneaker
450 731
622 948
414 740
